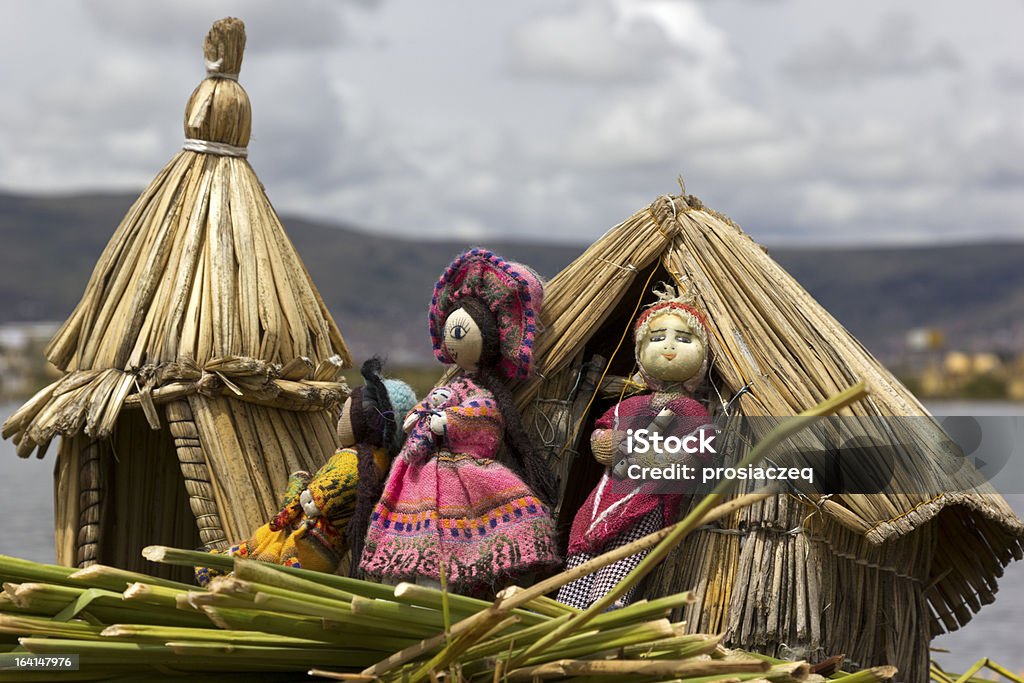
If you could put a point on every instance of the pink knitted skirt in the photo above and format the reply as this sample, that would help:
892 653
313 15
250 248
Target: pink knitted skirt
473 515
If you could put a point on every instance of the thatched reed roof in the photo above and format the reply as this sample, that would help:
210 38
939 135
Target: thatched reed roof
778 352
201 266
200 321
198 285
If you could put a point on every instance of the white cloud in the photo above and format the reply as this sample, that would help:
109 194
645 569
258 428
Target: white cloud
614 40
683 23
796 165
674 101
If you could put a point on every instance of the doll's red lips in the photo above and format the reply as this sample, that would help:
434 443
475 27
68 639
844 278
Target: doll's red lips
668 356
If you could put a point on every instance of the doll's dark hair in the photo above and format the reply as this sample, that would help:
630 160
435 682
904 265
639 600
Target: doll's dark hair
523 457
374 423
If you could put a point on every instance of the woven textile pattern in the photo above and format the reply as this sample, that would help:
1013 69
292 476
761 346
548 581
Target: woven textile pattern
446 501
586 590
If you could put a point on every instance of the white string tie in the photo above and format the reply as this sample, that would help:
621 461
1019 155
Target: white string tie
219 148
629 268
213 70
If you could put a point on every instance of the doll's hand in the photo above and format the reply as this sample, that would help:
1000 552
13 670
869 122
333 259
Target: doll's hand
410 421
602 445
438 423
604 457
661 421
309 505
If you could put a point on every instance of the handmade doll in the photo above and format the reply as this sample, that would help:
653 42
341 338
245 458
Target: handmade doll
324 515
448 503
671 352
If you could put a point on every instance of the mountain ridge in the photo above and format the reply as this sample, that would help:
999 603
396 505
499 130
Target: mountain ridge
377 286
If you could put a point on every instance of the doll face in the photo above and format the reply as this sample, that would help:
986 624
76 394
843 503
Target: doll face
671 351
463 340
346 435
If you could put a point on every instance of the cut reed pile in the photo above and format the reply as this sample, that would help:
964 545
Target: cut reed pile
200 323
271 623
266 620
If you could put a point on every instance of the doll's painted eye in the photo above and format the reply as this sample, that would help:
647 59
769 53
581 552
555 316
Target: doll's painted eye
458 332
657 338
683 339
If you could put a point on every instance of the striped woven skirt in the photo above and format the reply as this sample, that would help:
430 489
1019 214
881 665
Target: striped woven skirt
473 516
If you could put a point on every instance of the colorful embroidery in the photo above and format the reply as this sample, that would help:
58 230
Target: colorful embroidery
446 497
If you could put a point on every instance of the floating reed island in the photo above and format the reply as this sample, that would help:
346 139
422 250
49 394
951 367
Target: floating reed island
201 365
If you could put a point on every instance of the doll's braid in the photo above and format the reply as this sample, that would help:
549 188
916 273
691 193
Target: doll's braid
368 492
525 460
372 421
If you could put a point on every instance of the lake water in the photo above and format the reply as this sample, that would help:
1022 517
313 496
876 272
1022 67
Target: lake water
26 508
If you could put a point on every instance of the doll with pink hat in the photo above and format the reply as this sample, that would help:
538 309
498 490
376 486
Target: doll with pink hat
448 501
671 349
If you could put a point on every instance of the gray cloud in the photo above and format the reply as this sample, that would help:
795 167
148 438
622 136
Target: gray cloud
839 60
418 127
1009 75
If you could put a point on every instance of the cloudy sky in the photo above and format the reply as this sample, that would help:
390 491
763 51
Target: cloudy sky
852 122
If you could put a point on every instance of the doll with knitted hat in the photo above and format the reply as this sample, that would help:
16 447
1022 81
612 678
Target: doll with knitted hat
325 515
448 501
671 349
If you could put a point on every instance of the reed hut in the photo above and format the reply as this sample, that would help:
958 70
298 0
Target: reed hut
871 576
201 364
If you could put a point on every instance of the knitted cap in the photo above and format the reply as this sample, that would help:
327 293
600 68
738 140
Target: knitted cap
669 301
673 302
403 399
513 293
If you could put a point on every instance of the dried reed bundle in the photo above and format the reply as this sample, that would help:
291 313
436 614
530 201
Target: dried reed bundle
202 363
269 619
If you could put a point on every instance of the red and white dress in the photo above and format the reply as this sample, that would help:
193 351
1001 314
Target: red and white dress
620 511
